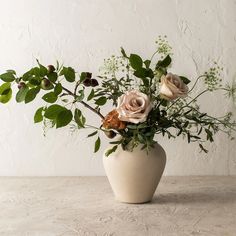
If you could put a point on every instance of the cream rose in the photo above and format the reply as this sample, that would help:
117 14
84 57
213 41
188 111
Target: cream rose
133 106
172 87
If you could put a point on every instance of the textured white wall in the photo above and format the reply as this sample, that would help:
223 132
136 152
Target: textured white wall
83 32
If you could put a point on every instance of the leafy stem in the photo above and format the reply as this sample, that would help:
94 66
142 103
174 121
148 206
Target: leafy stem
82 102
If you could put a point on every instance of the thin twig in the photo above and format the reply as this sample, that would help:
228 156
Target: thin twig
84 103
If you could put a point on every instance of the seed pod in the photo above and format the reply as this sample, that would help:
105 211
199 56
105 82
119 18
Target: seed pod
45 84
94 82
51 68
87 82
21 85
110 134
88 75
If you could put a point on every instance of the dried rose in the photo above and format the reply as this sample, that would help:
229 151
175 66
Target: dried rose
111 121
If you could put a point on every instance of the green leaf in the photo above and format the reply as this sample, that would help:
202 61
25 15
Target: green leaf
82 77
200 131
20 96
97 144
52 111
50 97
12 71
189 137
113 149
79 118
209 135
132 126
185 80
69 73
165 62
58 89
42 69
80 97
186 124
101 101
202 148
7 77
78 113
141 138
63 118
123 52
35 71
5 92
27 75
147 63
36 81
136 61
38 116
52 77
4 87
31 94
91 95
7 97
150 73
92 134
141 73
65 100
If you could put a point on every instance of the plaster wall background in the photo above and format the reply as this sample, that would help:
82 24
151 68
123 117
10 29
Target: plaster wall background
81 33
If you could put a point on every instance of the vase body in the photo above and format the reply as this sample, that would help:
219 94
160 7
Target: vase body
134 176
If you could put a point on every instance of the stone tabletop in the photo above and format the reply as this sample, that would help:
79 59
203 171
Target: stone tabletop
84 206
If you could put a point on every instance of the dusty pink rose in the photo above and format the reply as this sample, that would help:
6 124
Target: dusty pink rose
172 87
134 106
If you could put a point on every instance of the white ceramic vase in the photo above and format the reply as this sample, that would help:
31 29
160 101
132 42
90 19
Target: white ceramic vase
134 176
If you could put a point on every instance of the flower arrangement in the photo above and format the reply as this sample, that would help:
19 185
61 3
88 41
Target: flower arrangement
147 99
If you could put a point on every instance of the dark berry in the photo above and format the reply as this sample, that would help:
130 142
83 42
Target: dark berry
110 134
51 68
87 82
21 85
94 82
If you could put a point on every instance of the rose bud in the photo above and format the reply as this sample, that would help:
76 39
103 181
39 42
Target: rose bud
45 84
94 82
87 82
88 75
110 134
172 87
51 68
21 85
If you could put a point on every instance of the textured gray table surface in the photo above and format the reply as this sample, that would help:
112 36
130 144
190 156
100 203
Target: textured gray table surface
84 206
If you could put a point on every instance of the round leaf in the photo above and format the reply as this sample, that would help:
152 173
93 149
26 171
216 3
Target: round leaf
38 117
50 97
135 61
31 94
7 77
20 96
52 111
63 118
101 101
